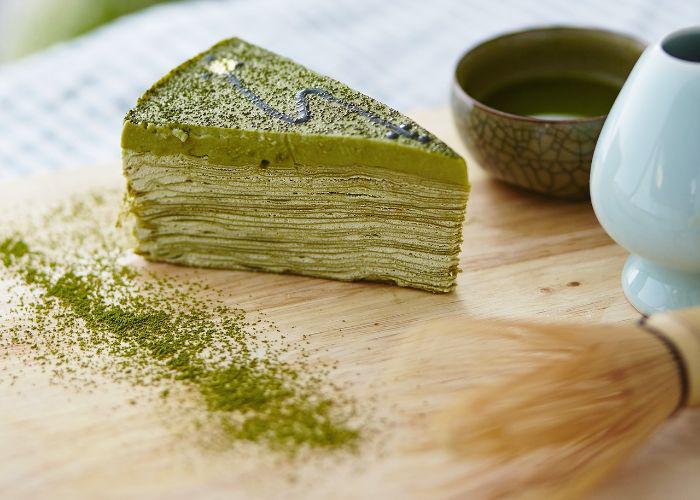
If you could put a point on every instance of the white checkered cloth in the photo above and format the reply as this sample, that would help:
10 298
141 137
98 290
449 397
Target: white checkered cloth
64 107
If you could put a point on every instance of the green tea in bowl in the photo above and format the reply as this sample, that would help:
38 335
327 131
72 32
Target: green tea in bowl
530 105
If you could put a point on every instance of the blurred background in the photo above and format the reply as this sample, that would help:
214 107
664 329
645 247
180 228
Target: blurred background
70 69
30 25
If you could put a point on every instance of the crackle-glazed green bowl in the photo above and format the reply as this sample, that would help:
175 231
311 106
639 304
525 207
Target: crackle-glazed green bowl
530 105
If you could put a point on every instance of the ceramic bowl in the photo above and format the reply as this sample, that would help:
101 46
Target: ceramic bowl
530 105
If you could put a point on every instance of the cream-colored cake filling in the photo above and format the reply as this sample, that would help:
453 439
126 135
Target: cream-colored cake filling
340 222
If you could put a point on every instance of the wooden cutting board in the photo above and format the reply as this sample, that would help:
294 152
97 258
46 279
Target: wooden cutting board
524 256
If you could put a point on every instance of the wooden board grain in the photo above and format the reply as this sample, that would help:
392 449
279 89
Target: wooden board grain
524 256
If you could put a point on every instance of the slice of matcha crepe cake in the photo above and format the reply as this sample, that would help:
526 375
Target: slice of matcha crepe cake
242 159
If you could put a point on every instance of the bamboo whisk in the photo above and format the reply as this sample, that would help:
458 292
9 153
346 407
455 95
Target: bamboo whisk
595 393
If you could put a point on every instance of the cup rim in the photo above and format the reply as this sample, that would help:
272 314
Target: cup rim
695 29
555 27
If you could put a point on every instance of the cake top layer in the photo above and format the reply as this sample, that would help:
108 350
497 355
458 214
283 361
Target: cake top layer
237 85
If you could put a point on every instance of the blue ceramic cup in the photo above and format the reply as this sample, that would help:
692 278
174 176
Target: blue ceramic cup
645 177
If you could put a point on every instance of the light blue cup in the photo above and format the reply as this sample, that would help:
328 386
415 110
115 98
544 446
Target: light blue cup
645 177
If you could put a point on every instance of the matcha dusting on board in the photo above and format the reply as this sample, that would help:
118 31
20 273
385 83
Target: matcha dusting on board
243 159
79 312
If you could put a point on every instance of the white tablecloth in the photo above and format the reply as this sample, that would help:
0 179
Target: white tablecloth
64 107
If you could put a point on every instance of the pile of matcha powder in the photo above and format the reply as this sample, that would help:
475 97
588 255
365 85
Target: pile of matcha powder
78 303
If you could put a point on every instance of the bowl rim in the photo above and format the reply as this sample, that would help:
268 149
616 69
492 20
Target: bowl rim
456 86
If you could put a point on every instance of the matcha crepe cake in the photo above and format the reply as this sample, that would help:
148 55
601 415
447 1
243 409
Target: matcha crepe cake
242 159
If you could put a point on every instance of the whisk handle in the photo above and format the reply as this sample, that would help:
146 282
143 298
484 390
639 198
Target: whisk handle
682 329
